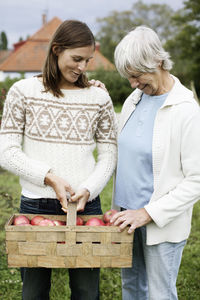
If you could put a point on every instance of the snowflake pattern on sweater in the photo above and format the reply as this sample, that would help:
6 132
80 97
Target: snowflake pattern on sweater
54 121
58 134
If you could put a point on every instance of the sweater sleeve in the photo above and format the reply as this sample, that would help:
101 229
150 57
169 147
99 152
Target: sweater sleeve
13 125
187 192
106 135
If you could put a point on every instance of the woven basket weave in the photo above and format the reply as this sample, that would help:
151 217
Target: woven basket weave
68 246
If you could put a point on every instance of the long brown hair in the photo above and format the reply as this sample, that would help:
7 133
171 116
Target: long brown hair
70 34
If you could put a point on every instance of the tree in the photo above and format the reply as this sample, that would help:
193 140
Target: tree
112 29
184 47
117 24
3 41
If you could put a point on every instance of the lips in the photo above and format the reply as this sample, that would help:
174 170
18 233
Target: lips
76 74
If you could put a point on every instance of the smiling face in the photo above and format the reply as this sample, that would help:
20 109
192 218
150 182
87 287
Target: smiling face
148 83
72 63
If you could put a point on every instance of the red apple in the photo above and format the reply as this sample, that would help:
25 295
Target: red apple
109 214
21 219
36 220
108 224
59 223
95 222
23 224
79 221
46 222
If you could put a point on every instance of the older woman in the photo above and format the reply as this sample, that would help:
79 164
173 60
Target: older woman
158 173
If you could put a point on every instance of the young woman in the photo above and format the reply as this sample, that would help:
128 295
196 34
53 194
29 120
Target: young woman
51 125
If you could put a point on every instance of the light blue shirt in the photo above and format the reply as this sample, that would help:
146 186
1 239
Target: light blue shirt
134 177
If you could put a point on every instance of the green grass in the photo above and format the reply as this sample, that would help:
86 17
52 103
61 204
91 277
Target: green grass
188 283
118 108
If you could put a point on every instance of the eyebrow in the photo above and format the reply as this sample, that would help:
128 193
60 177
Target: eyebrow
79 56
136 75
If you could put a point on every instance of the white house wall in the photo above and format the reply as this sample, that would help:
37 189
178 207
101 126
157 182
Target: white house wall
12 75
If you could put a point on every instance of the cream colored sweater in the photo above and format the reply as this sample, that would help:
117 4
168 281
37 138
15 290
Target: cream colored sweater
40 132
176 164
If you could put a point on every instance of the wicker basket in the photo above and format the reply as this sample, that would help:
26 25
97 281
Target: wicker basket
67 246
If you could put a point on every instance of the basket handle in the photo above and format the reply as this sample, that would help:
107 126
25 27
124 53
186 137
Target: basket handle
71 213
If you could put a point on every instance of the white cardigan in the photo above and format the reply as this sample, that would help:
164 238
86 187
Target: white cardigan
176 164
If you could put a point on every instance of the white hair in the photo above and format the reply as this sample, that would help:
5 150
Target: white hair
141 50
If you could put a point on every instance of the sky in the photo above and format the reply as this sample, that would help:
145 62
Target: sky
20 18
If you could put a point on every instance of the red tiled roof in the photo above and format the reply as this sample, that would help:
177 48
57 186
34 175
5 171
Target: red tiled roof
30 56
4 54
45 33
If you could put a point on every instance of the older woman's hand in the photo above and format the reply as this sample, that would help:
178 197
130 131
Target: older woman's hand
98 83
135 218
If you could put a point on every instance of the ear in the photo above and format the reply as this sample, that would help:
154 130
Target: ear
55 50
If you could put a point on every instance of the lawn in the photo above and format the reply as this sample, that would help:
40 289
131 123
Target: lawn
188 283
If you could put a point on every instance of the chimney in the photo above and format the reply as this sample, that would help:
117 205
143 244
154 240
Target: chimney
18 44
97 46
44 19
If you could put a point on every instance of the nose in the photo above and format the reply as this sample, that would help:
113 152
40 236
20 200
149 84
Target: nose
133 82
82 66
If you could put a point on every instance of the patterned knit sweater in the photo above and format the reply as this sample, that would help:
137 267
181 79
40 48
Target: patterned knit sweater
40 132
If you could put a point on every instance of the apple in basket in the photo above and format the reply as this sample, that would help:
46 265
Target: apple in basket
36 220
21 220
59 223
108 215
95 222
79 221
108 224
46 222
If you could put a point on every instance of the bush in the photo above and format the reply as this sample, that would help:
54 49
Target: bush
119 88
4 87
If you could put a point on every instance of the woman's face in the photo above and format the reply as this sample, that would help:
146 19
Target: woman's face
148 83
72 63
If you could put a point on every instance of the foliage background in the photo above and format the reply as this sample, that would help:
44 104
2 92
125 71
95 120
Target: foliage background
119 88
4 87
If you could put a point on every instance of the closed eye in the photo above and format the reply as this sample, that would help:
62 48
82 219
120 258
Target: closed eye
136 75
79 59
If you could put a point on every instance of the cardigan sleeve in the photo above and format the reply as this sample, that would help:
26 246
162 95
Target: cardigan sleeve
106 135
187 191
13 124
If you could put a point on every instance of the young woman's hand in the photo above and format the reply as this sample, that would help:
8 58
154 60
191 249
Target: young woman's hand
98 83
81 197
61 187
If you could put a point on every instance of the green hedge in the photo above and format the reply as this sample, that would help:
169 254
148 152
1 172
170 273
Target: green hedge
4 87
119 88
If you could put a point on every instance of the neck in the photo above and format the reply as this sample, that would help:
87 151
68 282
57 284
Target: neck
167 83
66 85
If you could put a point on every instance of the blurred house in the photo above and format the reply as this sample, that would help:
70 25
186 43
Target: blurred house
4 54
28 56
